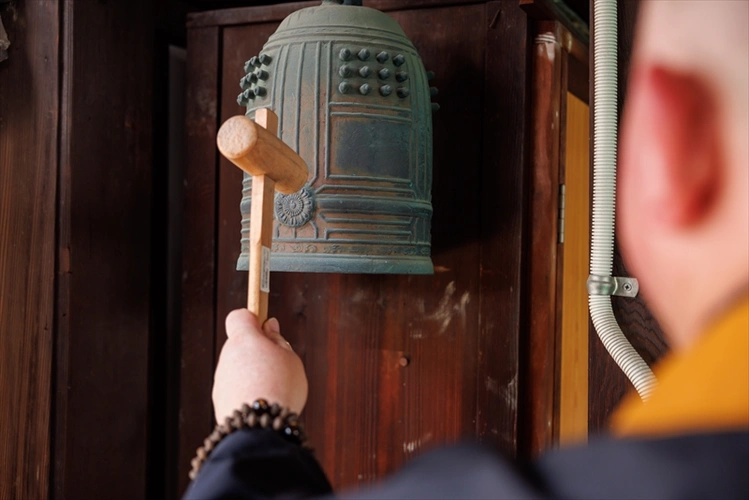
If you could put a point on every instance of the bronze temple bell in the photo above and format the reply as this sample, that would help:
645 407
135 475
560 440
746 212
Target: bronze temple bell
353 100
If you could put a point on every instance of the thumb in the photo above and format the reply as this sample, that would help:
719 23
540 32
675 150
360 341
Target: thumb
272 330
241 322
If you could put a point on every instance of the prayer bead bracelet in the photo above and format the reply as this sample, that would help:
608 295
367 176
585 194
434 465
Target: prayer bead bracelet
259 415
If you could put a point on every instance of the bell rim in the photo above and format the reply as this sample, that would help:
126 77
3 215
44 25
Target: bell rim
346 264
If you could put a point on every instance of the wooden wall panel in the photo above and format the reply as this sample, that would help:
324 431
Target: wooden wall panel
199 244
502 211
356 332
397 364
573 357
29 107
104 250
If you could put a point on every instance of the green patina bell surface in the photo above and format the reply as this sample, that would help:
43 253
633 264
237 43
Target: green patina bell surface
353 101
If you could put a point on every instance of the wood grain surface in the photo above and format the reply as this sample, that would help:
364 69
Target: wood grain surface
197 350
503 193
540 368
29 107
103 318
573 356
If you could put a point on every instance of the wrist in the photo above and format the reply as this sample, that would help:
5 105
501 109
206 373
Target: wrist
258 415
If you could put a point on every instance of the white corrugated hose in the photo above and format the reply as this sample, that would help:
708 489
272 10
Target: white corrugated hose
604 196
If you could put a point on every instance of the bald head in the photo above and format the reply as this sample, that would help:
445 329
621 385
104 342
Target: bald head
684 162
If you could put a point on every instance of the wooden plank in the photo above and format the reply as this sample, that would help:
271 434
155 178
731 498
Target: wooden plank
271 13
62 288
434 320
104 251
172 236
573 365
29 107
502 199
541 369
199 244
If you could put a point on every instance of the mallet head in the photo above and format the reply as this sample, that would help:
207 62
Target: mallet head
259 152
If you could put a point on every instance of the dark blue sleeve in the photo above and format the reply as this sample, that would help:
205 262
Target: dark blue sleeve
258 463
465 471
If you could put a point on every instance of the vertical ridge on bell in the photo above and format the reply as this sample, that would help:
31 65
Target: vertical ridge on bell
354 103
298 113
277 98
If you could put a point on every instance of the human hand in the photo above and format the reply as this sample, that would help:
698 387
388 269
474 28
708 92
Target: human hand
257 363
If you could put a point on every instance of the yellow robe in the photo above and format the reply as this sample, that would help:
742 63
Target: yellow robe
703 389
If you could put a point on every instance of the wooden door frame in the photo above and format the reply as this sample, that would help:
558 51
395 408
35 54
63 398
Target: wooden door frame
559 62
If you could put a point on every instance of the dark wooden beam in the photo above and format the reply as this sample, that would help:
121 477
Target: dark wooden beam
29 110
104 250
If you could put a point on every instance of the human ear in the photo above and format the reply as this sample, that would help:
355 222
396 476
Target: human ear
674 144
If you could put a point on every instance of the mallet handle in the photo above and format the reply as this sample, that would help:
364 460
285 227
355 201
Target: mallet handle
261 229
261 232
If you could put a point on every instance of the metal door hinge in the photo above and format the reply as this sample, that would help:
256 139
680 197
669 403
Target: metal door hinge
560 221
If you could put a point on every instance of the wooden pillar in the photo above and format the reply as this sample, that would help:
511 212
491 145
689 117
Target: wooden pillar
29 106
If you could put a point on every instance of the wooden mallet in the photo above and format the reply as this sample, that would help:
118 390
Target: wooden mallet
255 148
